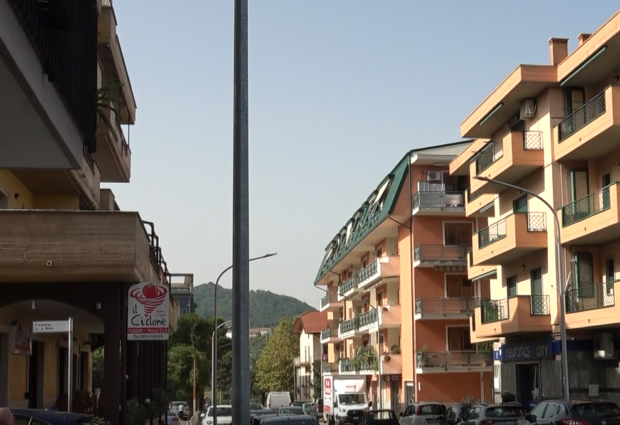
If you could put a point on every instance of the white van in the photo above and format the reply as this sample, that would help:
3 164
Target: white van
275 400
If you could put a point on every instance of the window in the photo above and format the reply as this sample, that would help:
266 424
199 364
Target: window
511 286
552 410
379 252
610 271
584 275
519 205
379 298
457 234
458 287
459 339
538 410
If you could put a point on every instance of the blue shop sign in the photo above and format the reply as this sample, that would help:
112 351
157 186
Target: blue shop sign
525 350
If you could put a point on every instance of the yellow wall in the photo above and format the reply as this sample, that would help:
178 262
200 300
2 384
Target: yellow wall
15 189
60 202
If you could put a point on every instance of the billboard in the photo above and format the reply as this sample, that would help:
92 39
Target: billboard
148 308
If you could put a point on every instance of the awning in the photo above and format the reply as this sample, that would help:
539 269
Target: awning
450 268
488 275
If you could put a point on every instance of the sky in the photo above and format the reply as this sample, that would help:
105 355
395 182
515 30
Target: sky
339 92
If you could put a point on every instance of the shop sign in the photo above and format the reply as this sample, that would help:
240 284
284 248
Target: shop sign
20 339
526 350
148 310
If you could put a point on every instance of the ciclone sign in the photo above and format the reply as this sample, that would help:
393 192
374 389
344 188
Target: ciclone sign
148 311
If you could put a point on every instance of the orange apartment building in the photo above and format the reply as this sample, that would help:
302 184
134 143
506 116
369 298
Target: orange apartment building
396 281
553 130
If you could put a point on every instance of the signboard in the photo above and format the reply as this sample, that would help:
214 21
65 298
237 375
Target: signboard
148 310
50 326
20 340
527 350
327 394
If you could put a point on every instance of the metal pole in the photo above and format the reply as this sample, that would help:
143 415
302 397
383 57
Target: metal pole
560 284
379 365
70 366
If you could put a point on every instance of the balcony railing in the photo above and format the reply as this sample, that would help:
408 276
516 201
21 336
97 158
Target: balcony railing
539 305
328 367
585 207
367 271
436 252
348 325
488 156
327 333
532 141
492 233
536 222
590 297
368 318
157 258
346 365
447 359
446 305
583 116
494 310
347 286
437 199
325 301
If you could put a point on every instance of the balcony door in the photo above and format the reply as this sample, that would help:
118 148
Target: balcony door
459 339
605 182
458 287
579 189
537 300
584 275
457 233
610 276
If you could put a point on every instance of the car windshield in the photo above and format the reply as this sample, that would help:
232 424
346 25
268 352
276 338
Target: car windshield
256 406
292 410
221 411
593 410
431 409
346 399
505 412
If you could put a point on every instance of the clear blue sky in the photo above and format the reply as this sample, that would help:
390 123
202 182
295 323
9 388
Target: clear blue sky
339 92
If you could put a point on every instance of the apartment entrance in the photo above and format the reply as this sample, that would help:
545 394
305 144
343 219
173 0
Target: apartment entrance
35 375
528 383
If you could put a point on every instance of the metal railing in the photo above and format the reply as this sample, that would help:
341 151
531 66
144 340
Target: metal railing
590 297
437 199
492 233
446 305
494 310
347 286
368 318
447 359
590 204
155 253
348 325
536 222
368 271
539 305
437 252
487 157
345 365
327 333
325 301
532 141
583 116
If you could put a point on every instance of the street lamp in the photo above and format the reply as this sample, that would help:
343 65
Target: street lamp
560 272
214 348
214 338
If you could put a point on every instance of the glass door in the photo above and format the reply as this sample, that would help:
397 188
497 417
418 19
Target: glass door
537 299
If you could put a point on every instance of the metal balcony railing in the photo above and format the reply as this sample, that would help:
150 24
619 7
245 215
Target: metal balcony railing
325 301
447 359
346 365
585 207
539 305
368 271
583 116
590 297
532 141
156 256
488 156
368 318
437 199
327 333
436 252
494 310
536 222
328 367
347 286
492 233
446 305
348 325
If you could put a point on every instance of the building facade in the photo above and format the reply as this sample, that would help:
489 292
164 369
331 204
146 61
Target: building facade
398 296
308 327
553 130
66 249
182 288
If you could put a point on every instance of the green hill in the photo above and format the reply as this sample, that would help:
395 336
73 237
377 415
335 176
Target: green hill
266 308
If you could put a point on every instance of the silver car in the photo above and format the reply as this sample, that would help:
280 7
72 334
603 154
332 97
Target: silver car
422 414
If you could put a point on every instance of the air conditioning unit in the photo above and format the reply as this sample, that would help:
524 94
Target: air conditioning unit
528 109
433 176
604 346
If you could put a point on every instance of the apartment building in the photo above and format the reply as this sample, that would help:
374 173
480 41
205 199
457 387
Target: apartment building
552 130
66 248
182 288
307 381
398 296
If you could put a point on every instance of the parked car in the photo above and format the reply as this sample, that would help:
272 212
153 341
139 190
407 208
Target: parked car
256 406
500 414
257 415
354 416
291 410
172 418
454 414
50 417
307 408
380 417
224 415
422 414
277 399
287 420
317 409
181 408
574 412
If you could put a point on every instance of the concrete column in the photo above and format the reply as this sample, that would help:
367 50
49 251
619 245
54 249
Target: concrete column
111 363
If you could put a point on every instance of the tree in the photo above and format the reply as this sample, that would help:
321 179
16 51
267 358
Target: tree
274 367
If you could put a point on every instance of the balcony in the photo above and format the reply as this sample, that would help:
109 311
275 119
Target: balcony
347 328
593 219
438 203
347 288
519 314
329 367
75 246
516 156
113 153
330 303
508 239
480 204
445 308
592 305
329 335
390 316
354 366
591 131
301 361
368 320
346 367
453 361
427 255
479 272
379 269
392 364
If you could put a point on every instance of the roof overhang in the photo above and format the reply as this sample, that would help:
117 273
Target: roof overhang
504 103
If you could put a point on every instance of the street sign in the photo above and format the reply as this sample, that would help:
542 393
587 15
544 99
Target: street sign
51 326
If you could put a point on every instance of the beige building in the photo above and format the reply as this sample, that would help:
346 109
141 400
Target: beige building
554 131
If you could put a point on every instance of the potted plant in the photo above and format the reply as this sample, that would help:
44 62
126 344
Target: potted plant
487 349
395 349
420 356
387 357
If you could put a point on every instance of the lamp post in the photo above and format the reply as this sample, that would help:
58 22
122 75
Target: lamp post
560 272
214 349
214 338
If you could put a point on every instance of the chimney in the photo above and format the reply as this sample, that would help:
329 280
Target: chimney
558 49
582 38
